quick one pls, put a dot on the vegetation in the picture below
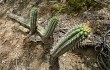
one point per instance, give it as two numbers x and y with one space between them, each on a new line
74 6
33 19
72 38
51 27
79 4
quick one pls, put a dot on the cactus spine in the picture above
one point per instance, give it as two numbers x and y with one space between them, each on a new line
70 40
51 27
33 19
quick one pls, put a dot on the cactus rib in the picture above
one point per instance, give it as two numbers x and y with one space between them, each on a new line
66 45
33 19
67 37
51 26
71 39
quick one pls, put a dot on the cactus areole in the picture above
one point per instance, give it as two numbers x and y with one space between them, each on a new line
71 39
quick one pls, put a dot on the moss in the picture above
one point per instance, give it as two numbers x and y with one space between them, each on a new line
58 8
77 5
74 6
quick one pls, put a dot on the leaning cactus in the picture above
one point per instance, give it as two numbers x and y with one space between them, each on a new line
33 19
51 27
72 38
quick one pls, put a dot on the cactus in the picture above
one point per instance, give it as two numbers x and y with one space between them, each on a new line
33 19
72 38
51 27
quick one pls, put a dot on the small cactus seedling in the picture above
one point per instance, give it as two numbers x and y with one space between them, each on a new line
51 27
71 39
33 19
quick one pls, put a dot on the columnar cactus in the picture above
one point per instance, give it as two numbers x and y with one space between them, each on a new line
51 27
72 38
33 19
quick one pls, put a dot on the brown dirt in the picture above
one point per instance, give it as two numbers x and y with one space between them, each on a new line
18 52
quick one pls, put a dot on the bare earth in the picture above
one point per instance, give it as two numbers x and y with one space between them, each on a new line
17 52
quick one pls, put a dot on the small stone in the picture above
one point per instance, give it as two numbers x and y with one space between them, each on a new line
95 65
35 38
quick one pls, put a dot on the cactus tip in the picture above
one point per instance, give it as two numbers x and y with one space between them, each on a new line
55 17
34 9
86 27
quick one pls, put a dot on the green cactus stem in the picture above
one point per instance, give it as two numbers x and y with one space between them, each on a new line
33 19
51 27
71 40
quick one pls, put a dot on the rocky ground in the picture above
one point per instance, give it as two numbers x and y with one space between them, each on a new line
18 52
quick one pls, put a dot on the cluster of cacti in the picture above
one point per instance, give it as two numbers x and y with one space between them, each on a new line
43 32
72 38
33 19
31 23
